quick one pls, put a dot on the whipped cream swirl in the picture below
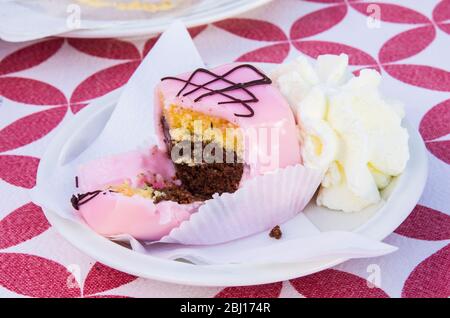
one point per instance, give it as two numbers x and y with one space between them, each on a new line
346 128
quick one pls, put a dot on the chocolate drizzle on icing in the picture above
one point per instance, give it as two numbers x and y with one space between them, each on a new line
261 80
80 199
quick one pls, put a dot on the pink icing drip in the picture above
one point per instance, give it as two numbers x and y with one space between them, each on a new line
114 170
112 214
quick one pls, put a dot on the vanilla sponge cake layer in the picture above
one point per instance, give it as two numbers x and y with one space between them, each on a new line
202 178
189 125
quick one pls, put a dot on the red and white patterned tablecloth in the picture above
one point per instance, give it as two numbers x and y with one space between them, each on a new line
43 84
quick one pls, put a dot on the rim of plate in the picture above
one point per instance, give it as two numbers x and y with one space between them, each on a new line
383 223
146 27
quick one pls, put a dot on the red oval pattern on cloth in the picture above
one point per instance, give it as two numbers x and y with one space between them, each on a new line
197 30
258 291
430 279
316 48
392 12
102 278
149 45
75 108
441 12
104 81
106 48
19 170
434 125
29 56
275 53
35 276
420 75
317 22
332 283
253 29
445 27
30 91
440 149
407 44
426 224
441 15
22 224
436 122
30 128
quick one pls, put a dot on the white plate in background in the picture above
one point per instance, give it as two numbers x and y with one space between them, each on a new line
48 18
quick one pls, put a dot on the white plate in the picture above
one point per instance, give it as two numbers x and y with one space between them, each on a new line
52 19
374 223
207 11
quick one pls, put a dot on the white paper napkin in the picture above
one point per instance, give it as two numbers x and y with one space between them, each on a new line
301 242
131 124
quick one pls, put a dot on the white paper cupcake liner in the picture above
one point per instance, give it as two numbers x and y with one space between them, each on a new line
262 203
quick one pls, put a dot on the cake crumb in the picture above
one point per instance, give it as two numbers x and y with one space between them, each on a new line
276 232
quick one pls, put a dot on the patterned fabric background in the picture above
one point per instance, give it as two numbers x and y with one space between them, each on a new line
43 84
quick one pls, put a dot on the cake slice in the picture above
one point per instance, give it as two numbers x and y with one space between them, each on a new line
216 129
221 125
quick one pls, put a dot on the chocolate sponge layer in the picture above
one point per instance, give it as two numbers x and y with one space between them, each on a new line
204 179
178 194
207 179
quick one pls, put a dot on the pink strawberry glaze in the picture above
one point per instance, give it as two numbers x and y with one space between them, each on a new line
112 214
271 111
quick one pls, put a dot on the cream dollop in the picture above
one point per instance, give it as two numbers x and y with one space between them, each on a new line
346 128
